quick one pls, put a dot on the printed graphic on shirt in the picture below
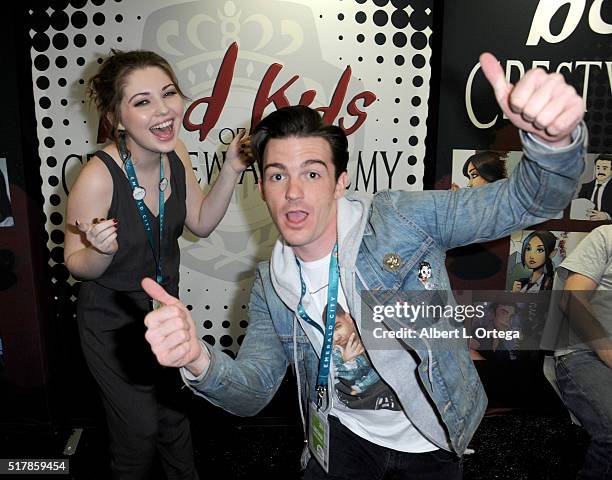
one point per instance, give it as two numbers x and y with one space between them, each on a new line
356 383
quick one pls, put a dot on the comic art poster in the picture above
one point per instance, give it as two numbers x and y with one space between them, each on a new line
534 257
593 199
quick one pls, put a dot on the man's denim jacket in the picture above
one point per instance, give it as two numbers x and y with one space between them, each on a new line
438 388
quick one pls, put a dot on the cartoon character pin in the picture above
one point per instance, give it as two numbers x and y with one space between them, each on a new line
425 275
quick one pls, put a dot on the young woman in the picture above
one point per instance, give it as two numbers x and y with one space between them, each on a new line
125 214
538 250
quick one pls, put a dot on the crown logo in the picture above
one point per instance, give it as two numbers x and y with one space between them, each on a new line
260 60
194 37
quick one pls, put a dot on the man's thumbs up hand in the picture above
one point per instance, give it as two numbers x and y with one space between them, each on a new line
171 332
540 103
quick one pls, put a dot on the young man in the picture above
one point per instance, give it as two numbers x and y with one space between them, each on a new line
432 400
584 371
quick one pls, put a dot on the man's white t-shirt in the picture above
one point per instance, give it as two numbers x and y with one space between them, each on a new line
361 400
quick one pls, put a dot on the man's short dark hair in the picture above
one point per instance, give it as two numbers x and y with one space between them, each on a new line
299 121
603 156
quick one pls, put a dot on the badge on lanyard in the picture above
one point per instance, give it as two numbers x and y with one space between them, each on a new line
139 193
318 425
163 184
318 436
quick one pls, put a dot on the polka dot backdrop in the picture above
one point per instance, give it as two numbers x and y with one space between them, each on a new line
386 44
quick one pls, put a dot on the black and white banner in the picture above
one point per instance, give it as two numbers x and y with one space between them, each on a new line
364 63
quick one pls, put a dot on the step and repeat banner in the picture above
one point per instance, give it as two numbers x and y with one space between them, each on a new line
365 62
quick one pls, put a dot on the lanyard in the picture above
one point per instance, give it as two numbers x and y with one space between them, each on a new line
142 210
330 322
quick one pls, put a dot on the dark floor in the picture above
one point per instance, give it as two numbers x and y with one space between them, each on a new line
536 443
515 445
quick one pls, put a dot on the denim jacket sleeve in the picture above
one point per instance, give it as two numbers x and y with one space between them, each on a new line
245 385
541 186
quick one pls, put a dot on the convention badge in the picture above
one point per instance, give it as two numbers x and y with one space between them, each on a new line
139 193
163 184
318 436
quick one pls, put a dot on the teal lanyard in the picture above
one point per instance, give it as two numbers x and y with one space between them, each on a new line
330 323
142 210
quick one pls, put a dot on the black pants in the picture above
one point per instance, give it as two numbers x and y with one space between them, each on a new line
354 458
143 403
